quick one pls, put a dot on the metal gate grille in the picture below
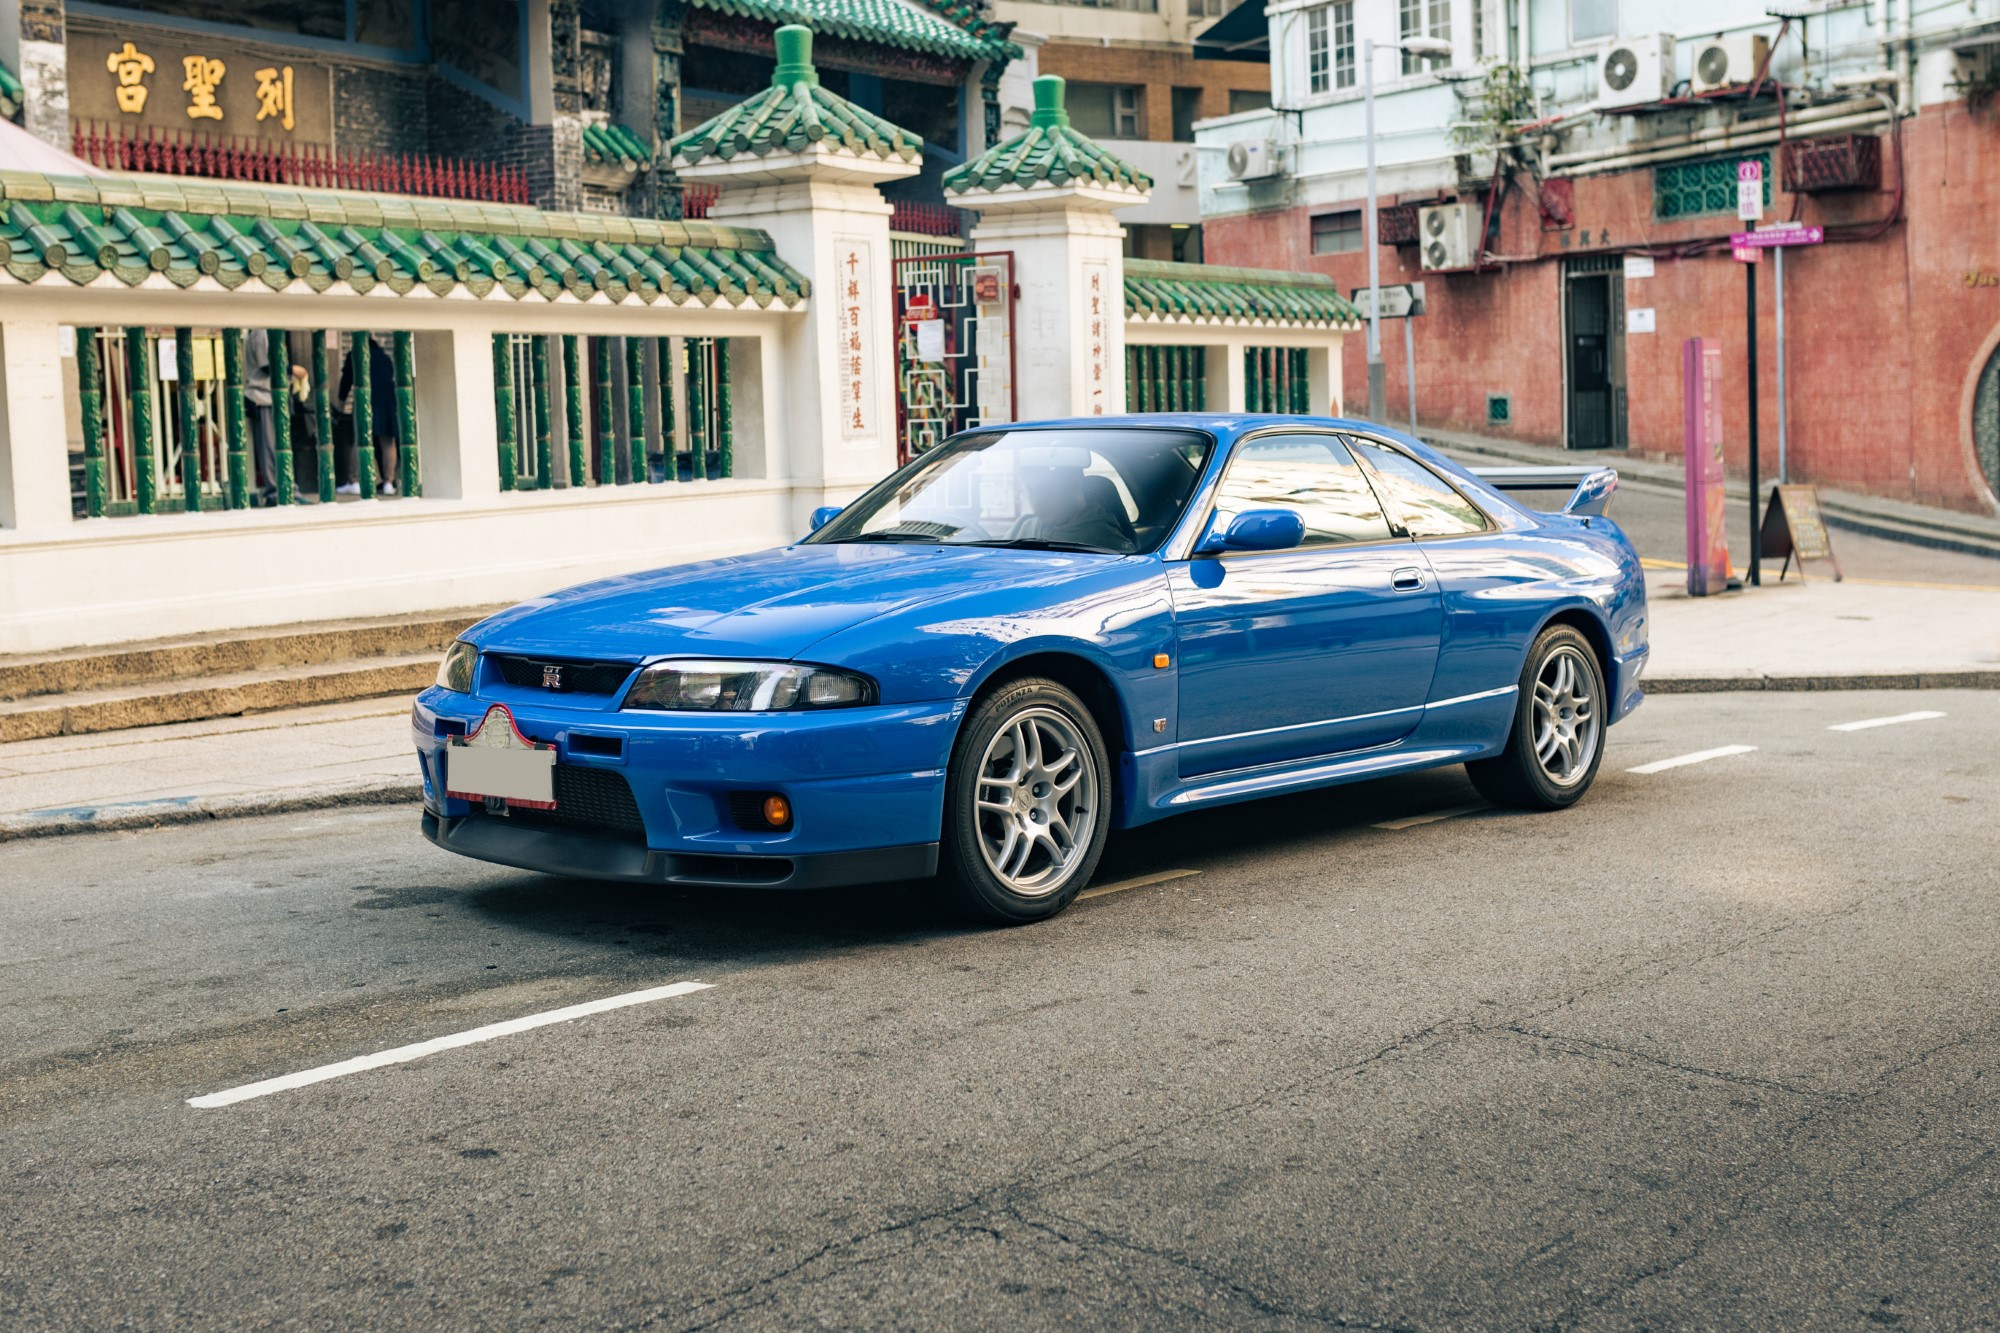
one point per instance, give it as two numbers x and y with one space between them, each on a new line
954 346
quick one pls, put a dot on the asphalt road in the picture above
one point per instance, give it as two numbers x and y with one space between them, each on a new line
1716 1049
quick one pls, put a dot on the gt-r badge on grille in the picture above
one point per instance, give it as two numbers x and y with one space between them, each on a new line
551 676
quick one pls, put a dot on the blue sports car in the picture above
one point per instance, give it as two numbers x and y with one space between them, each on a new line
1035 634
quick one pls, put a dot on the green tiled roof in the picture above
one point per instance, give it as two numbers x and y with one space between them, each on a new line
1048 150
1159 289
611 144
11 92
134 227
962 36
792 114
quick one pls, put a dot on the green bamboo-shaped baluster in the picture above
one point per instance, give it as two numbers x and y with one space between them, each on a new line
139 383
359 348
607 408
697 369
1268 369
544 454
1249 380
190 422
1281 379
1201 379
235 419
1167 403
573 396
725 426
90 400
1179 354
278 358
322 392
412 482
505 426
1145 379
1131 378
672 470
635 406
1303 371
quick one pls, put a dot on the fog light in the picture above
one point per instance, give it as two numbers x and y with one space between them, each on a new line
777 811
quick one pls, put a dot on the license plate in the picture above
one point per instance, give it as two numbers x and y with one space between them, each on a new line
497 761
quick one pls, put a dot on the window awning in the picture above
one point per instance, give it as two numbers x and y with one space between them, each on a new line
1241 34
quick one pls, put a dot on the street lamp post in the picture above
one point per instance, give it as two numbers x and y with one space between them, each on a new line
1378 392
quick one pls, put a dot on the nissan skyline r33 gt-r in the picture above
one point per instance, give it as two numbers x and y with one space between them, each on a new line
1035 634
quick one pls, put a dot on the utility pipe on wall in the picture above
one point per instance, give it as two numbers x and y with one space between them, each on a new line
1816 115
1758 139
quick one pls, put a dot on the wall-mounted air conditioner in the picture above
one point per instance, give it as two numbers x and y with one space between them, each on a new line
1724 62
1636 70
1255 159
1446 236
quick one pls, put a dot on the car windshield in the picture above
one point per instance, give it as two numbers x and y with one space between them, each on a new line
1118 491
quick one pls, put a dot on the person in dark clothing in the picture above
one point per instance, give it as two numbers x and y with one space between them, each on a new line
1067 509
381 427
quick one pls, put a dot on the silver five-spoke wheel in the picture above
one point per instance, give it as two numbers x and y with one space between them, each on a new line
1037 801
1566 716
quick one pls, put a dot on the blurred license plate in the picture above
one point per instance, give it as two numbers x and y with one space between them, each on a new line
497 761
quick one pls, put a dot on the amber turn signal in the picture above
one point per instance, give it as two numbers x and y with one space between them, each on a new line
777 811
1161 660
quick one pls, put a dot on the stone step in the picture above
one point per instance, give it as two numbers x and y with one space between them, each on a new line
196 659
229 694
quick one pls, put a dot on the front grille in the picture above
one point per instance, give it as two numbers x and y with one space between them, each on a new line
533 673
588 798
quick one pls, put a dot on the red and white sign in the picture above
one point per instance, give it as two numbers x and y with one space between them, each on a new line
1783 233
1750 190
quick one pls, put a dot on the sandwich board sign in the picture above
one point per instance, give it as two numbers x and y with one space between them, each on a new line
1795 529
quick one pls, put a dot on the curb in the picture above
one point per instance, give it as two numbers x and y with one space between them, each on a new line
198 809
1907 680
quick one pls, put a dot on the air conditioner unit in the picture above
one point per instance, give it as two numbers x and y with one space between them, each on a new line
1724 62
1445 236
1636 70
1255 159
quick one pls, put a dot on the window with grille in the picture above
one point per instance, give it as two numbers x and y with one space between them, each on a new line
1336 233
1319 51
1343 44
1692 189
1422 18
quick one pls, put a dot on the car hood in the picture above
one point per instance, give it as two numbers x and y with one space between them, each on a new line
773 604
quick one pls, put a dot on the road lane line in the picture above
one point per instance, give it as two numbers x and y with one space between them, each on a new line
1698 757
1139 882
1449 812
417 1051
1884 721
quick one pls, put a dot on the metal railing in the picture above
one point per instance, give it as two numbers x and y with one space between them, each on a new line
1166 378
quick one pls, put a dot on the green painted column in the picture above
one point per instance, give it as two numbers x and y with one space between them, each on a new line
410 455
90 401
725 425
605 390
573 396
505 426
190 423
278 359
665 349
235 419
539 404
697 369
322 397
139 384
364 414
635 406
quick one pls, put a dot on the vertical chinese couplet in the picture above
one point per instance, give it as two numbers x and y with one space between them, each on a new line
1096 282
852 258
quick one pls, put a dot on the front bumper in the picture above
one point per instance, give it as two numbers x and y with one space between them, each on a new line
863 783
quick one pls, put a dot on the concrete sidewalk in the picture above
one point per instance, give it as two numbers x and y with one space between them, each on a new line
1815 636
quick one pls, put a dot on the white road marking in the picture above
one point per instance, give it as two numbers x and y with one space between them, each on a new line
1139 882
1883 721
417 1051
1449 812
1698 757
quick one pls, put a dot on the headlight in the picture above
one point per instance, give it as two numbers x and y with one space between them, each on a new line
455 672
747 687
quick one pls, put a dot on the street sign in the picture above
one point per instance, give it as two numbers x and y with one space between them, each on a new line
1401 301
1750 190
1746 254
1777 234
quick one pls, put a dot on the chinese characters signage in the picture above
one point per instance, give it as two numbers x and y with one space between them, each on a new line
189 83
1097 333
855 277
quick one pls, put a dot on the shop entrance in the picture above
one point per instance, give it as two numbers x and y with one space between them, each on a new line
1594 352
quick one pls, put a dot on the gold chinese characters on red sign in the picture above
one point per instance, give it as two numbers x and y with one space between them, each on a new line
188 83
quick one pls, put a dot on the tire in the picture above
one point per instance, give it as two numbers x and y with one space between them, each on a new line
1557 741
1023 830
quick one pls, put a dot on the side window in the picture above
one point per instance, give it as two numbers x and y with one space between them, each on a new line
1422 501
1313 476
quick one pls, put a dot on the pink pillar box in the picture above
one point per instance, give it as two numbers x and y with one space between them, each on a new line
1701 397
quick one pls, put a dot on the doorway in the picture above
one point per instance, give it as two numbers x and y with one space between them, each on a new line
1594 352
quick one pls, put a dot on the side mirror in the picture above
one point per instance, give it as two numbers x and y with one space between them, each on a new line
1256 530
824 515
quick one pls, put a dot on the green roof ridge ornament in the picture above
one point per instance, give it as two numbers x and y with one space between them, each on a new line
1049 113
795 57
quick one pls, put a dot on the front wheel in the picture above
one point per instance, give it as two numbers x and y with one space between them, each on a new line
1026 803
1558 737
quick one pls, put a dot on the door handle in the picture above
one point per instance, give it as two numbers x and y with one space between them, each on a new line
1407 580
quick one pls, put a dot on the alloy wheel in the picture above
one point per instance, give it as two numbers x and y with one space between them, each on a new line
1566 716
1036 801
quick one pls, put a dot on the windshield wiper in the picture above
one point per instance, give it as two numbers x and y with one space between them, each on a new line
885 537
1042 544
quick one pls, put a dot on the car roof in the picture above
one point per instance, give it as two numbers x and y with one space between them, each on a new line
1225 426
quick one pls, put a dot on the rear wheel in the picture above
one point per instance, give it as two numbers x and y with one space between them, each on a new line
1558 737
1026 803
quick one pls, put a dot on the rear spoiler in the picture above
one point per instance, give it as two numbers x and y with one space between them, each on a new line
1590 488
